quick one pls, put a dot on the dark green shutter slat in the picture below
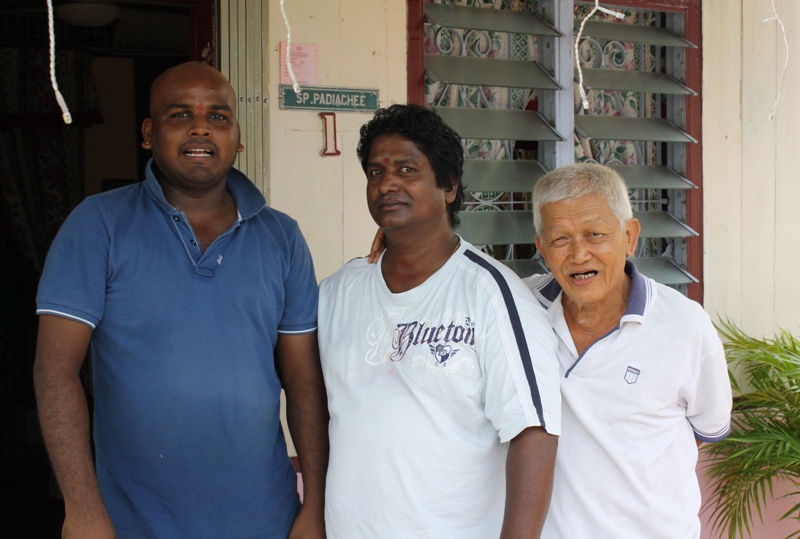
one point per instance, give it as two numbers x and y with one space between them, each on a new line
660 224
496 227
498 124
519 176
493 20
652 177
634 33
632 81
663 270
630 128
514 227
481 175
525 268
489 72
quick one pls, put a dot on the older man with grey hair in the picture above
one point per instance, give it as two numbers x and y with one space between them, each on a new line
643 373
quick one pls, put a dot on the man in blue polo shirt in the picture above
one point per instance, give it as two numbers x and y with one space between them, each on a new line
199 303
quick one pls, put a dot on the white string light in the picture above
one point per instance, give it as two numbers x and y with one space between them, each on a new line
60 98
776 17
295 86
597 7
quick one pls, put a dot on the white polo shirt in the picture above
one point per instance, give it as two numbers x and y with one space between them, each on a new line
632 405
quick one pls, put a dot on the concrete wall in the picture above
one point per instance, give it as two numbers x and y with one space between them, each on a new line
750 172
361 45
750 165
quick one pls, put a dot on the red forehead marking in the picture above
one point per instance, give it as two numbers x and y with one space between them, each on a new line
386 160
200 107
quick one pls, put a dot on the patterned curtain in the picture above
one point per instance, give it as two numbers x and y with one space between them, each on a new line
41 158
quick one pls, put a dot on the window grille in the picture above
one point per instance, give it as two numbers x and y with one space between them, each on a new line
491 71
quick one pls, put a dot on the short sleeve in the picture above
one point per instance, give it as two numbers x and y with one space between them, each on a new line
519 359
709 406
300 285
73 283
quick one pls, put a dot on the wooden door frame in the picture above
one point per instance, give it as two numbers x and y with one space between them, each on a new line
203 33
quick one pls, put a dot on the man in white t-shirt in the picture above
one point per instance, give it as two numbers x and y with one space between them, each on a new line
439 363
643 374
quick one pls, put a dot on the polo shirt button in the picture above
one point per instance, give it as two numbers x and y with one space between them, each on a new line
176 218
194 242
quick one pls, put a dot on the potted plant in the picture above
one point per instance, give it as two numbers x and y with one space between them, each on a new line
764 444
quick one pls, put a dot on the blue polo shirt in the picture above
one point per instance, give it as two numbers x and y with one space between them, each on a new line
186 421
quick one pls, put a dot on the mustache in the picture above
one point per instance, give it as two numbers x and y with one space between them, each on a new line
198 141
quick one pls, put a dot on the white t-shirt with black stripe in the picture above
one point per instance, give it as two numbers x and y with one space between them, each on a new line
425 388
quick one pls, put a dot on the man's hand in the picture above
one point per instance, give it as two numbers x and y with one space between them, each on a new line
307 526
95 527
378 246
64 418
529 483
297 361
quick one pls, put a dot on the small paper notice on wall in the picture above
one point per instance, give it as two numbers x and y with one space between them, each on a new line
304 64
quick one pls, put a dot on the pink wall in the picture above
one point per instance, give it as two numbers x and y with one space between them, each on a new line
772 527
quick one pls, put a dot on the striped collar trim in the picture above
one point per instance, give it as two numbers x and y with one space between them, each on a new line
641 295
249 200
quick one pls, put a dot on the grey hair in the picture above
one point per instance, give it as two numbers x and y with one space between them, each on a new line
581 179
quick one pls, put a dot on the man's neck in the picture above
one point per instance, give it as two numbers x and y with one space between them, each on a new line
411 258
588 323
193 199
211 212
197 203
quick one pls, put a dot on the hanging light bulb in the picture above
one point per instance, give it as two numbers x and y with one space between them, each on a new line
88 13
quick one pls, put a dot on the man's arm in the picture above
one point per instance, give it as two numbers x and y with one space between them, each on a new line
64 418
529 482
297 361
378 246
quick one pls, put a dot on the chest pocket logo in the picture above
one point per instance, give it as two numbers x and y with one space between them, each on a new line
632 375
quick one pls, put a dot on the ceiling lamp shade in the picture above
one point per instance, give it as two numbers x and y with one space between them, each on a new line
88 13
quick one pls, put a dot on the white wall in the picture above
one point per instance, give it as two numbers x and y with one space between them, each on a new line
361 45
751 189
751 192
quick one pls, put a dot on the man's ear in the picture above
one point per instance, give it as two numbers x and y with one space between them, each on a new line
450 192
240 148
538 241
147 132
632 230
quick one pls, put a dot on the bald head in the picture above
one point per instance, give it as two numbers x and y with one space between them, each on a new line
190 73
192 129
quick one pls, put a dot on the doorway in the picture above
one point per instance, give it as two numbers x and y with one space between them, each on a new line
47 168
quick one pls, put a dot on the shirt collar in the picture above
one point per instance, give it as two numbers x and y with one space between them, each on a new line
249 200
637 299
549 291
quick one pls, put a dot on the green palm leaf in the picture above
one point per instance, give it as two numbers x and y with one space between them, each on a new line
764 444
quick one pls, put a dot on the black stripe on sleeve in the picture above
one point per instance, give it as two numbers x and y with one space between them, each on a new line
519 334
